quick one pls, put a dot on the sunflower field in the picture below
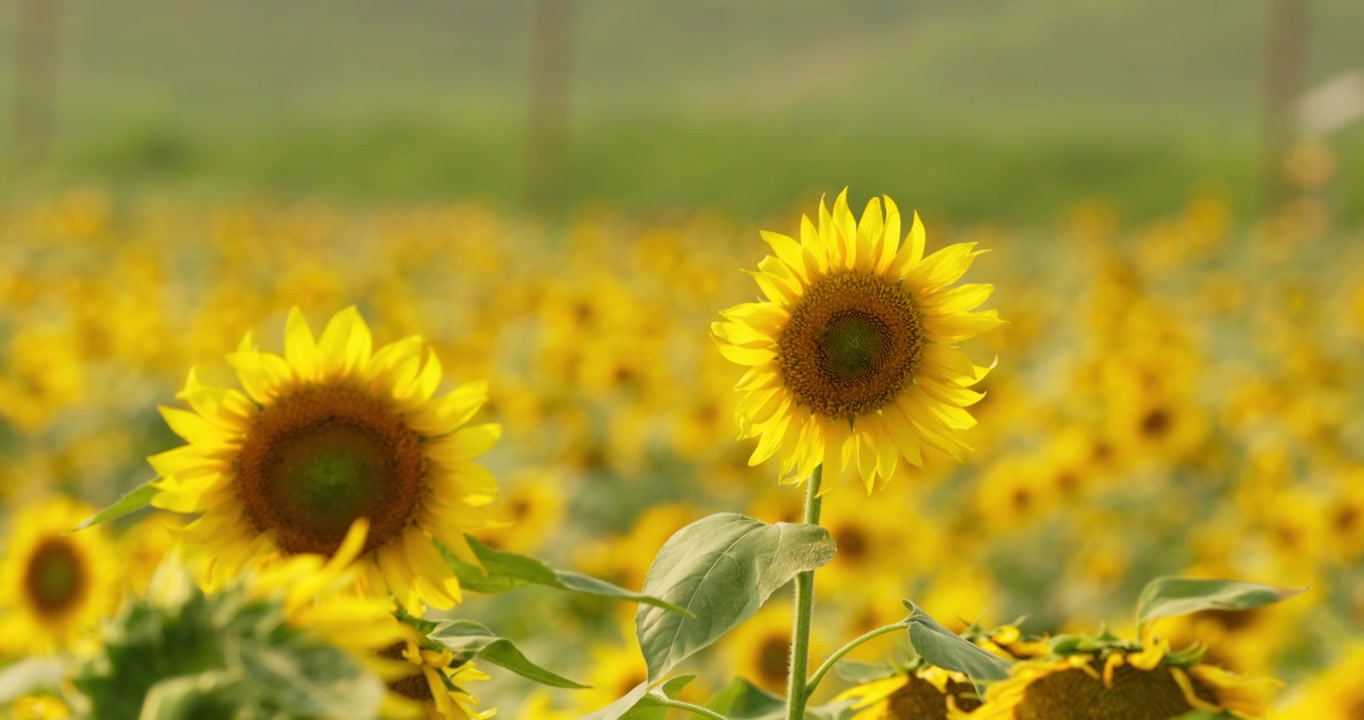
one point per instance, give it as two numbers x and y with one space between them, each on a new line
988 403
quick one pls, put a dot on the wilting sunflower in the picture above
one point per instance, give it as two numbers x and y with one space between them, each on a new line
55 587
1118 684
922 693
328 433
851 357
429 688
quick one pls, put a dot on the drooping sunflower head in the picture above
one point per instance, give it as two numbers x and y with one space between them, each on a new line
330 432
923 692
429 682
55 586
850 355
1122 681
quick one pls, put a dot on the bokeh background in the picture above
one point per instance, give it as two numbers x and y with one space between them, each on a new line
560 194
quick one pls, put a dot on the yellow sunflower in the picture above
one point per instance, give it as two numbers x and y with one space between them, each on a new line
851 358
1335 694
55 587
38 707
429 688
325 434
923 693
1120 685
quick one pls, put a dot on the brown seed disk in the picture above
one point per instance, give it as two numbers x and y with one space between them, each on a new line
852 343
56 577
1135 695
414 686
319 458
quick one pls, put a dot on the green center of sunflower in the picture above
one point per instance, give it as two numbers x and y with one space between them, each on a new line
851 345
316 460
1073 694
55 577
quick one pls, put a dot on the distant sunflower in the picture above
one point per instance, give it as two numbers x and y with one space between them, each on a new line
430 688
1121 685
328 433
55 587
851 358
923 693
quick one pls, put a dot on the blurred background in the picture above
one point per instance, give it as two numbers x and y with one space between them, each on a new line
559 195
981 111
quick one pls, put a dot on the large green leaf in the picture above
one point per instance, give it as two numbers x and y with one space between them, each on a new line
948 650
467 636
1168 596
720 569
132 501
503 571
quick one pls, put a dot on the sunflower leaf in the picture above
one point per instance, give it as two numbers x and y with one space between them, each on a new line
949 651
1169 595
859 673
132 501
467 636
503 571
720 569
620 708
742 700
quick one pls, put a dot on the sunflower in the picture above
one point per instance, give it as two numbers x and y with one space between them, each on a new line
328 433
922 693
1121 683
55 587
850 358
428 689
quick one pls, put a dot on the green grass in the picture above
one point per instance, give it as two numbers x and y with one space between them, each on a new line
981 111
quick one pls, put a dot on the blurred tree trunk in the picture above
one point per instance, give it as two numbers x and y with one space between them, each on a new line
548 103
1285 67
35 66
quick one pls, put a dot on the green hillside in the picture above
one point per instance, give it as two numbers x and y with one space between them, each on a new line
982 110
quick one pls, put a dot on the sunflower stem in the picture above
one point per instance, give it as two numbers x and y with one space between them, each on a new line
828 665
796 691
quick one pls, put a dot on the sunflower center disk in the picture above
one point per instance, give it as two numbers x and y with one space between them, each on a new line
851 345
1073 694
53 579
316 460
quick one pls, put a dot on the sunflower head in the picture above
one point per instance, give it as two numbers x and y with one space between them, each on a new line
55 586
918 692
851 358
1120 680
425 681
330 432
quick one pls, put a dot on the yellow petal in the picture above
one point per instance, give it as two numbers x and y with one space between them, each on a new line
300 349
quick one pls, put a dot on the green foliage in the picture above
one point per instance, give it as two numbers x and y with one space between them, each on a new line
944 648
225 656
467 636
859 673
28 676
131 501
720 569
1168 596
741 700
503 571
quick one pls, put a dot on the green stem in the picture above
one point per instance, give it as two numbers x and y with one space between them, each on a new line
796 692
693 709
852 645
